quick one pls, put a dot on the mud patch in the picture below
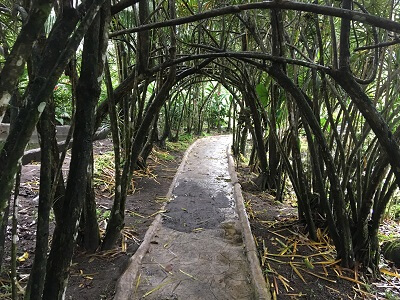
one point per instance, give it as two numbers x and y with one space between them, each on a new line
195 207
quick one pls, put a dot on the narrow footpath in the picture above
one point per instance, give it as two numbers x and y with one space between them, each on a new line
195 251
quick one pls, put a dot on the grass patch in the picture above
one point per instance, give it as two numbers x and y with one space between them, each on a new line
163 155
187 137
185 140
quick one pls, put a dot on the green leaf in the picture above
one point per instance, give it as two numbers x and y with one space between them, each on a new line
59 120
308 263
262 93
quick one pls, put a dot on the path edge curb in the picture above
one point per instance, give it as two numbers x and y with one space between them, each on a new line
261 284
125 283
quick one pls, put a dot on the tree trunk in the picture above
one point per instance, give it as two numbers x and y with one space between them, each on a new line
143 38
167 129
116 221
36 279
345 248
229 127
304 210
117 154
15 63
89 234
373 117
60 47
3 232
243 141
148 146
262 180
3 225
178 127
273 157
88 92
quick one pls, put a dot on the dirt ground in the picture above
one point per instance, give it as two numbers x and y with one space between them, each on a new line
93 276
298 268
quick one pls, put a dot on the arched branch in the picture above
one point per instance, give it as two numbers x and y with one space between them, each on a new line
289 5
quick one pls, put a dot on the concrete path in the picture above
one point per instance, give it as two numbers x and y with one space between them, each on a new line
195 250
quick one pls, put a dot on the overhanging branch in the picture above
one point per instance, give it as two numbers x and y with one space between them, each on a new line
238 55
289 5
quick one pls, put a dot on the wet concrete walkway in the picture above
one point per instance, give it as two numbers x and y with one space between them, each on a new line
196 251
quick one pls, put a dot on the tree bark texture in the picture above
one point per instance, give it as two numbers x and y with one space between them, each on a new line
88 91
38 272
250 100
89 234
15 63
59 49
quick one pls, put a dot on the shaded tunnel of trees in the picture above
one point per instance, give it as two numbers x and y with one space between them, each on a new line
315 86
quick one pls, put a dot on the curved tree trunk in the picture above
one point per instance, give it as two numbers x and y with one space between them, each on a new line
15 63
262 180
345 247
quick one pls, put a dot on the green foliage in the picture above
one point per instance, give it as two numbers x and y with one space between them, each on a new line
103 161
281 110
394 211
102 215
218 110
176 146
163 155
263 94
49 23
63 102
5 287
182 144
9 22
389 295
187 137
386 237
